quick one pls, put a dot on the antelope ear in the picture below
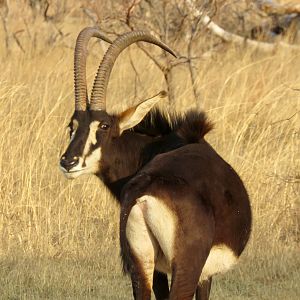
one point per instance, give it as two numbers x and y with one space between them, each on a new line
134 115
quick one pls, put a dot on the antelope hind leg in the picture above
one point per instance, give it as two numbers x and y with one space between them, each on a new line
203 290
160 286
143 248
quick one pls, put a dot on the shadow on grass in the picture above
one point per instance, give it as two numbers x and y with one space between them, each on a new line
39 278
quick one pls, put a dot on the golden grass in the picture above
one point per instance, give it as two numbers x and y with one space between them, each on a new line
254 102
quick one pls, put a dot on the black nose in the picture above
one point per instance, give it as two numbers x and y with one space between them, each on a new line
69 162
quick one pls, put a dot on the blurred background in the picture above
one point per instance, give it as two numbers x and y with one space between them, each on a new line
238 60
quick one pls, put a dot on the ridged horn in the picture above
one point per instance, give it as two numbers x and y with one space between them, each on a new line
98 95
80 55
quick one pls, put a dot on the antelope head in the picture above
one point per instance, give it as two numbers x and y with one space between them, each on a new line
92 129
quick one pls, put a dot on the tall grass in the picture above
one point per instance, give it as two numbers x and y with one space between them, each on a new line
45 219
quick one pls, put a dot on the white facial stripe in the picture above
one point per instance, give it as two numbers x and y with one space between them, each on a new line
72 135
93 131
92 139
75 125
92 161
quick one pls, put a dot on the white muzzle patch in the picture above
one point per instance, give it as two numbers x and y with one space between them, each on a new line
88 163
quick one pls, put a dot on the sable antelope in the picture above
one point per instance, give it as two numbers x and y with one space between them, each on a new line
184 210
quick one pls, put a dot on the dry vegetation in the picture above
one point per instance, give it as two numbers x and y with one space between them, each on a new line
59 238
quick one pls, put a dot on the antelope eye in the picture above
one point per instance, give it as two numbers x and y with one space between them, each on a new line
104 126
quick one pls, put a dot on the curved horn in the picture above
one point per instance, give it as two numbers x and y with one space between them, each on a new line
104 70
80 55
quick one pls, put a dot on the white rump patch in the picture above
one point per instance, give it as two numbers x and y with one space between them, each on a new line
150 231
141 242
162 223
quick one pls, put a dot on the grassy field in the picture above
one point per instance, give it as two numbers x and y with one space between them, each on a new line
59 238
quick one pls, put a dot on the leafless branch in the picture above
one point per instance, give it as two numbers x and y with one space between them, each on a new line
15 36
92 16
137 76
4 15
194 29
272 8
231 37
292 116
156 61
46 11
130 9
129 24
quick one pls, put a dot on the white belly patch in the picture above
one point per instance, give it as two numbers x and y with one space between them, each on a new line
220 259
151 230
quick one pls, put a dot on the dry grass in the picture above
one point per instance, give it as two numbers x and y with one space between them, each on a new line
59 238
